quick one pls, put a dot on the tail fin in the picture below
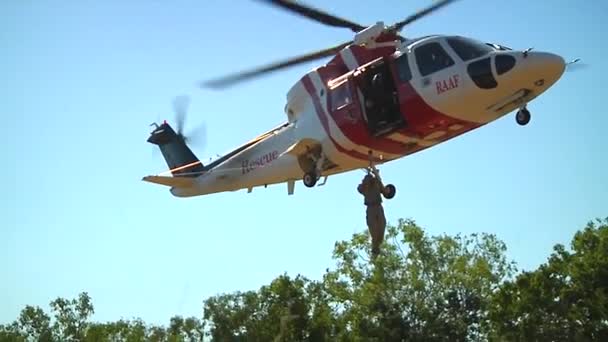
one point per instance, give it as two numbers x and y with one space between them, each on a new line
178 156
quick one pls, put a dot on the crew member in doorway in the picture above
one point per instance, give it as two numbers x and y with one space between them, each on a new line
371 188
377 102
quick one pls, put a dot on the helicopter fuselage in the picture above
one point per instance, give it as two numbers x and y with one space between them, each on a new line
382 102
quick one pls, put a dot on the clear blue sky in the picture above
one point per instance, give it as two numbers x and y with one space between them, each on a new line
82 80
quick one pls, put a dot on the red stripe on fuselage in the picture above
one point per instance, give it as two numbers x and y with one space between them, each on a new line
358 132
310 88
423 119
420 117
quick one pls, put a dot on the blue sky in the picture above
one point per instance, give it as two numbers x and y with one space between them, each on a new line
82 80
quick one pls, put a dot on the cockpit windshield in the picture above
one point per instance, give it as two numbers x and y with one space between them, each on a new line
467 48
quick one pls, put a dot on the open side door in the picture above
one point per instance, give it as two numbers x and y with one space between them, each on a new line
379 97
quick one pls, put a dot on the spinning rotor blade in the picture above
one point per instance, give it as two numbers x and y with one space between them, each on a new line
315 14
575 65
424 12
195 136
242 76
322 17
198 136
180 107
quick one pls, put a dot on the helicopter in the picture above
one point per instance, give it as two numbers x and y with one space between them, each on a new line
380 97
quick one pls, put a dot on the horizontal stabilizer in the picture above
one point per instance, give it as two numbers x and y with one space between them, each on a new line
178 182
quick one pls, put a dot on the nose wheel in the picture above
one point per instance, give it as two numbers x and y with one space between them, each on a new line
310 179
522 117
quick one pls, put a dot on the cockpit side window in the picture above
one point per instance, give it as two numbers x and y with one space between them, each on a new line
468 49
340 96
431 57
403 68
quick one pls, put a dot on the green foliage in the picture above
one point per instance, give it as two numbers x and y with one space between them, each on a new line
565 299
421 288
70 322
279 311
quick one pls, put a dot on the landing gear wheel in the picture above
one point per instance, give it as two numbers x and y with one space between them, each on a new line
310 179
389 191
522 117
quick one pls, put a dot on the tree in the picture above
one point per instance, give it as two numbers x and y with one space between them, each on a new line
421 288
71 317
277 312
35 324
565 299
12 333
70 322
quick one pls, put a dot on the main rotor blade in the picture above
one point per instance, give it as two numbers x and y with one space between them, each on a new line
242 76
180 107
424 12
315 14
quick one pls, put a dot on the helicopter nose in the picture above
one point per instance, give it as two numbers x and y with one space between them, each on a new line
545 68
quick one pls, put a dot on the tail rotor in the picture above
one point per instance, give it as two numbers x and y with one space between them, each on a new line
173 144
196 136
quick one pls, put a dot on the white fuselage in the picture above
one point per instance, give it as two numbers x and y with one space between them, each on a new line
449 94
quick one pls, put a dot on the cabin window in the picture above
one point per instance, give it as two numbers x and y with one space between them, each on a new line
468 49
504 63
481 73
403 68
431 58
340 96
